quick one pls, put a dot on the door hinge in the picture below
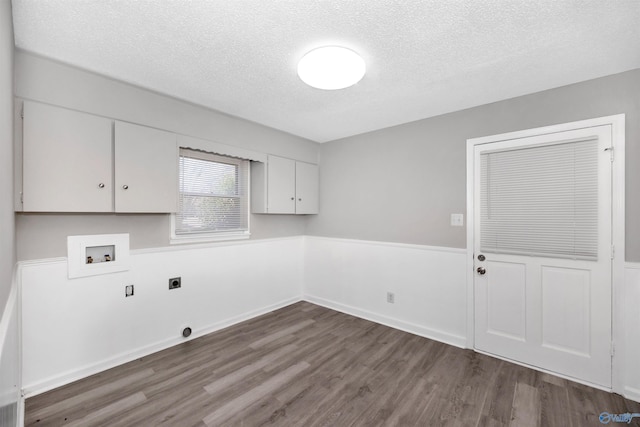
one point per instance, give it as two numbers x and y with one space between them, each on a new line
613 348
613 251
610 150
22 198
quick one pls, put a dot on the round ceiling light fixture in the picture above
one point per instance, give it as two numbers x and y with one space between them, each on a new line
331 67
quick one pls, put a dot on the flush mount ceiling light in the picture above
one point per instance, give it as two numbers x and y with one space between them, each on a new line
331 67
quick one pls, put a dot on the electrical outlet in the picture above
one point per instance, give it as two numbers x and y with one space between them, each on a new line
175 283
391 297
128 291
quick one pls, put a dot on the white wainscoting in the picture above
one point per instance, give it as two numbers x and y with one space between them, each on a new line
10 386
73 328
354 276
631 346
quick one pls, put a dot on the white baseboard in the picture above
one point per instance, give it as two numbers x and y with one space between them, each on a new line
632 393
34 389
434 334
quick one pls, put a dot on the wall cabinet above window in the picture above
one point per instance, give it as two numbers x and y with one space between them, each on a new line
146 169
78 162
284 186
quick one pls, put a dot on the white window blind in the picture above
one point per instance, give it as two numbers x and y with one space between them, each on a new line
213 194
541 200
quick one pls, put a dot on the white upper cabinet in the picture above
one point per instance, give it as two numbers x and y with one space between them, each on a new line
68 164
146 169
281 185
306 188
67 161
284 186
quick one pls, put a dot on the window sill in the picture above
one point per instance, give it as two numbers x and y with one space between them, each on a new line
185 240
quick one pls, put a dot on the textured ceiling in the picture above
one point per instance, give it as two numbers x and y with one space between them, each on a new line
424 57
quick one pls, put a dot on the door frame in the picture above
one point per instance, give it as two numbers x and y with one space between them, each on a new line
617 123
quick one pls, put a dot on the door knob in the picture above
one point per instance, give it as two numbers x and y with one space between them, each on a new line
481 270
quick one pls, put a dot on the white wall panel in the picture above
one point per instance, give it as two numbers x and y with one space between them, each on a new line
354 276
10 387
631 347
76 327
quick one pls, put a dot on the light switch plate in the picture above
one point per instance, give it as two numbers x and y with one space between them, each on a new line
457 220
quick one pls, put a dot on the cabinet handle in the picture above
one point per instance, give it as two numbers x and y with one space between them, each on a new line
101 185
126 187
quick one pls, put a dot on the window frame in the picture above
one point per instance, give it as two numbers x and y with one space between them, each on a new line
215 236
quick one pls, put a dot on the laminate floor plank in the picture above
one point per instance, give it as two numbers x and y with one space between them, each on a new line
526 406
389 387
102 416
406 412
91 395
306 365
555 406
237 405
238 375
279 334
327 410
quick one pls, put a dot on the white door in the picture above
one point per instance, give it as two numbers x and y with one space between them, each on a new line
542 251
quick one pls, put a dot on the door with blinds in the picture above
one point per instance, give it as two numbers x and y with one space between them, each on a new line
542 251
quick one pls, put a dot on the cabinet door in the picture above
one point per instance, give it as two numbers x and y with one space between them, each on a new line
306 188
67 161
146 169
281 185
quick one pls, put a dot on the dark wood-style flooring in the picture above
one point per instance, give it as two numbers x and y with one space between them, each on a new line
306 365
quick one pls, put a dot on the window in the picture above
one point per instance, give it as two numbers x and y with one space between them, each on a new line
213 201
541 201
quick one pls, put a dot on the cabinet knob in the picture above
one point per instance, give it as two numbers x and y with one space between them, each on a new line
125 187
293 198
300 199
101 185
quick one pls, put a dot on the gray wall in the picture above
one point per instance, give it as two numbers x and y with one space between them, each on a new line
45 235
398 184
7 226
40 79
401 184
